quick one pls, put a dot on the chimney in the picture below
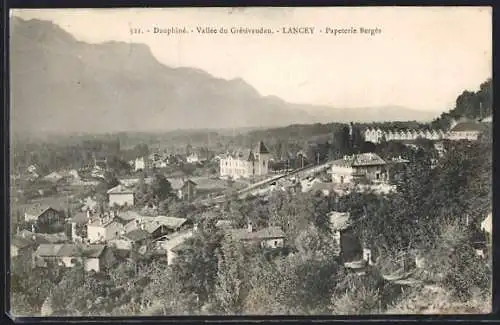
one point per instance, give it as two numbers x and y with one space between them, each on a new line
88 214
33 230
143 226
33 238
250 227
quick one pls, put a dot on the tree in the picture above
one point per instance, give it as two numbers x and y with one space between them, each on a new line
196 267
230 289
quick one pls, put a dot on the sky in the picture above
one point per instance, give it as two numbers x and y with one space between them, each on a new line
420 58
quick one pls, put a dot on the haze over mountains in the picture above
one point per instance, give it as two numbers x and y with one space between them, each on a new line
59 84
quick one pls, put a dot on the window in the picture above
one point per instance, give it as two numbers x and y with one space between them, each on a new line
264 163
275 243
378 176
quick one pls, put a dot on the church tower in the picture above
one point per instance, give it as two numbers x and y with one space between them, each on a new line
262 157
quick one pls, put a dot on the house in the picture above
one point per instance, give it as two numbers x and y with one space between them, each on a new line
184 189
158 226
94 257
270 237
103 229
176 245
246 164
39 212
162 225
488 119
41 238
487 225
121 195
192 158
136 237
124 217
465 130
140 164
373 135
45 218
365 166
22 246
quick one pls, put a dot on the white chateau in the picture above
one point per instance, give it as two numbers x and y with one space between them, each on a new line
246 164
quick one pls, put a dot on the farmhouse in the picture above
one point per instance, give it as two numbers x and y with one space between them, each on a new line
367 166
103 229
184 189
46 218
94 257
121 195
270 237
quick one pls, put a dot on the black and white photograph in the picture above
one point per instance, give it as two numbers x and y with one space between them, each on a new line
269 161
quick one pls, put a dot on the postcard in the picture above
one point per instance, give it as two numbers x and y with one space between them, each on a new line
250 161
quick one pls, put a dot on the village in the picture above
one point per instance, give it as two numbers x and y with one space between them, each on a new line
99 235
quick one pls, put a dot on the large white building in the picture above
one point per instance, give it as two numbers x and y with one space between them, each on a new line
465 130
246 164
376 135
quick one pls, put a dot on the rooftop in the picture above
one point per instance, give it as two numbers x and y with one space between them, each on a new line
21 242
121 189
170 222
178 183
359 160
37 209
70 250
261 148
137 235
467 126
265 233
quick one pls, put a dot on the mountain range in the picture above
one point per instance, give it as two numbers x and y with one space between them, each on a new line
60 84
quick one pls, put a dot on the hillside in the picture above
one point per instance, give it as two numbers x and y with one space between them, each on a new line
61 84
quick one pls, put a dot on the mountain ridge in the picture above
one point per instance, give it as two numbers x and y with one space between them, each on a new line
61 84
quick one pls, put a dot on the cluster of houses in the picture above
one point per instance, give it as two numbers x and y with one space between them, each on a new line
462 129
163 160
105 235
124 194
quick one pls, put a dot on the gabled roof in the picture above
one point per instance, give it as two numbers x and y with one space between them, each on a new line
70 250
265 233
178 183
467 126
48 249
364 159
127 216
137 235
170 222
37 209
261 148
21 242
487 223
121 189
